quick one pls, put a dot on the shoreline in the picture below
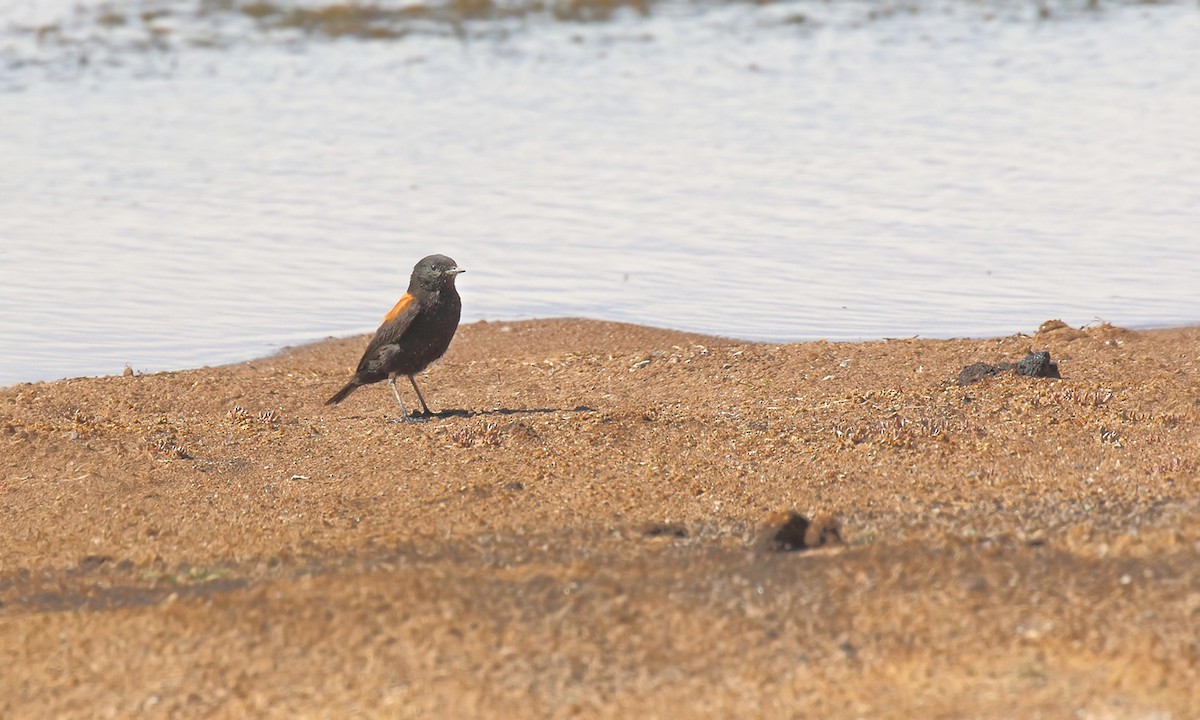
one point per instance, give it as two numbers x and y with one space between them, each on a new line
588 529
286 348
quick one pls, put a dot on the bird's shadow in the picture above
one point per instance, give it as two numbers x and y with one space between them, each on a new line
451 413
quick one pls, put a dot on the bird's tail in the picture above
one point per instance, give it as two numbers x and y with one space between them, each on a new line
343 393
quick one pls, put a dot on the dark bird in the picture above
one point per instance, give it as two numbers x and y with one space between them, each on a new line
416 332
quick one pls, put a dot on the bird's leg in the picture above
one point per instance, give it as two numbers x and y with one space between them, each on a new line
403 410
413 379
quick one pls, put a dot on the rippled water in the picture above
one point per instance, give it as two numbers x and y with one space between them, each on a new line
777 172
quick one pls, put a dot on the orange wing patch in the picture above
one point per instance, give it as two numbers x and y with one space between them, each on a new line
399 308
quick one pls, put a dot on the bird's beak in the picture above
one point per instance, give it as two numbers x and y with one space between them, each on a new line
455 270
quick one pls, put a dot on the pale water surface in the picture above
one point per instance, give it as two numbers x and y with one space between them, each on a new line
723 168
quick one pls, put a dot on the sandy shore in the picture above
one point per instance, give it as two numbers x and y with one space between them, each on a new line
586 530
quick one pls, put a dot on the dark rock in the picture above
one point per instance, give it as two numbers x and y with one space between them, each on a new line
799 533
975 372
1035 364
1038 364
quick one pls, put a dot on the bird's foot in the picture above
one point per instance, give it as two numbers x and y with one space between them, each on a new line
412 419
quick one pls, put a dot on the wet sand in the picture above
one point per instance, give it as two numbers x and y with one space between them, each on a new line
586 530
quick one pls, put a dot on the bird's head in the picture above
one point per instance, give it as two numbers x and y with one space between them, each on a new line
435 272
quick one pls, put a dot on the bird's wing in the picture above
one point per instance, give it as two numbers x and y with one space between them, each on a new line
394 325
